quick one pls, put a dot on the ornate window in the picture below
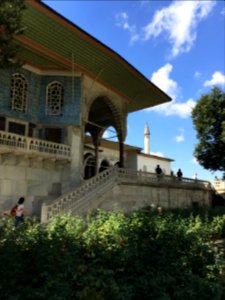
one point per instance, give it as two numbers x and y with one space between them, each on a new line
18 97
54 99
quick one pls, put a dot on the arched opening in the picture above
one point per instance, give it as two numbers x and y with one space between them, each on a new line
103 114
104 165
110 134
89 166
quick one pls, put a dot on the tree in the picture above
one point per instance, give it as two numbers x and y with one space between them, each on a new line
209 120
10 24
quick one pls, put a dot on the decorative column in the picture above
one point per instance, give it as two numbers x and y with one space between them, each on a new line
73 137
122 130
121 143
95 139
96 158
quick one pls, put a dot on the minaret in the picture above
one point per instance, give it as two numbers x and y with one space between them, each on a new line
146 139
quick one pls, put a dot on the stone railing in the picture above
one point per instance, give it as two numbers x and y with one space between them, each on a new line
79 200
15 142
126 175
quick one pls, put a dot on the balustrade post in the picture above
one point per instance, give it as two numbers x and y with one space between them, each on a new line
44 213
28 142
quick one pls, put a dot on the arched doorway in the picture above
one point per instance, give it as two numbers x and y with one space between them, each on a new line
89 166
103 113
104 165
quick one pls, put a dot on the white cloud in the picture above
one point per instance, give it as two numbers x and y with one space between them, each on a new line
223 12
180 137
197 74
122 21
179 21
217 79
194 160
182 110
162 79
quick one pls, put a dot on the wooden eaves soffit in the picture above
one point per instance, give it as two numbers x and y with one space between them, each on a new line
50 40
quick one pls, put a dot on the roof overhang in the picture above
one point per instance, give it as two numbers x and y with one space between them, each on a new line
155 156
50 42
112 145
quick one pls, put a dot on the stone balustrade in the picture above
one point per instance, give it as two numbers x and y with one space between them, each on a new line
78 200
127 175
15 142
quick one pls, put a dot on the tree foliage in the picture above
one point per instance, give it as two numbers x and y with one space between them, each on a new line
114 256
10 24
209 120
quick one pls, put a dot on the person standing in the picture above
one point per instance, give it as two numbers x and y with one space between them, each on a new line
19 212
179 174
158 171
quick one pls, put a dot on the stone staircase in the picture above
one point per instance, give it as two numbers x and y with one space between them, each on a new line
85 198
78 201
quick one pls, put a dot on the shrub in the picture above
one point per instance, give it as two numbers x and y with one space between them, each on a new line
111 255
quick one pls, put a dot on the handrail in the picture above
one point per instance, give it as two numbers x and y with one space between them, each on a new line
80 198
147 177
33 145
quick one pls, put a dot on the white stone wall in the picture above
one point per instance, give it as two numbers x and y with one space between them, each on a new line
132 161
112 156
149 163
128 197
219 186
42 181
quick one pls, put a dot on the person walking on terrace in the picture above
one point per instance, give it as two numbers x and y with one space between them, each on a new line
158 171
179 174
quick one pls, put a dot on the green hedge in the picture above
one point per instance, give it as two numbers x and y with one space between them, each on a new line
110 255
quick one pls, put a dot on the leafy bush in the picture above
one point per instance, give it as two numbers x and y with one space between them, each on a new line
111 255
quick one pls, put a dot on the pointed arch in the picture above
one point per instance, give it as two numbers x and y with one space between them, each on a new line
54 99
89 165
18 97
104 113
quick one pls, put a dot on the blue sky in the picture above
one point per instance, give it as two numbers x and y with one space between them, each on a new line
178 45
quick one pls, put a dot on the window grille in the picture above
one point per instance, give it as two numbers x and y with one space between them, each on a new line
18 97
54 99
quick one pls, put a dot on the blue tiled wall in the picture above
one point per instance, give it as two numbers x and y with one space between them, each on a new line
37 98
